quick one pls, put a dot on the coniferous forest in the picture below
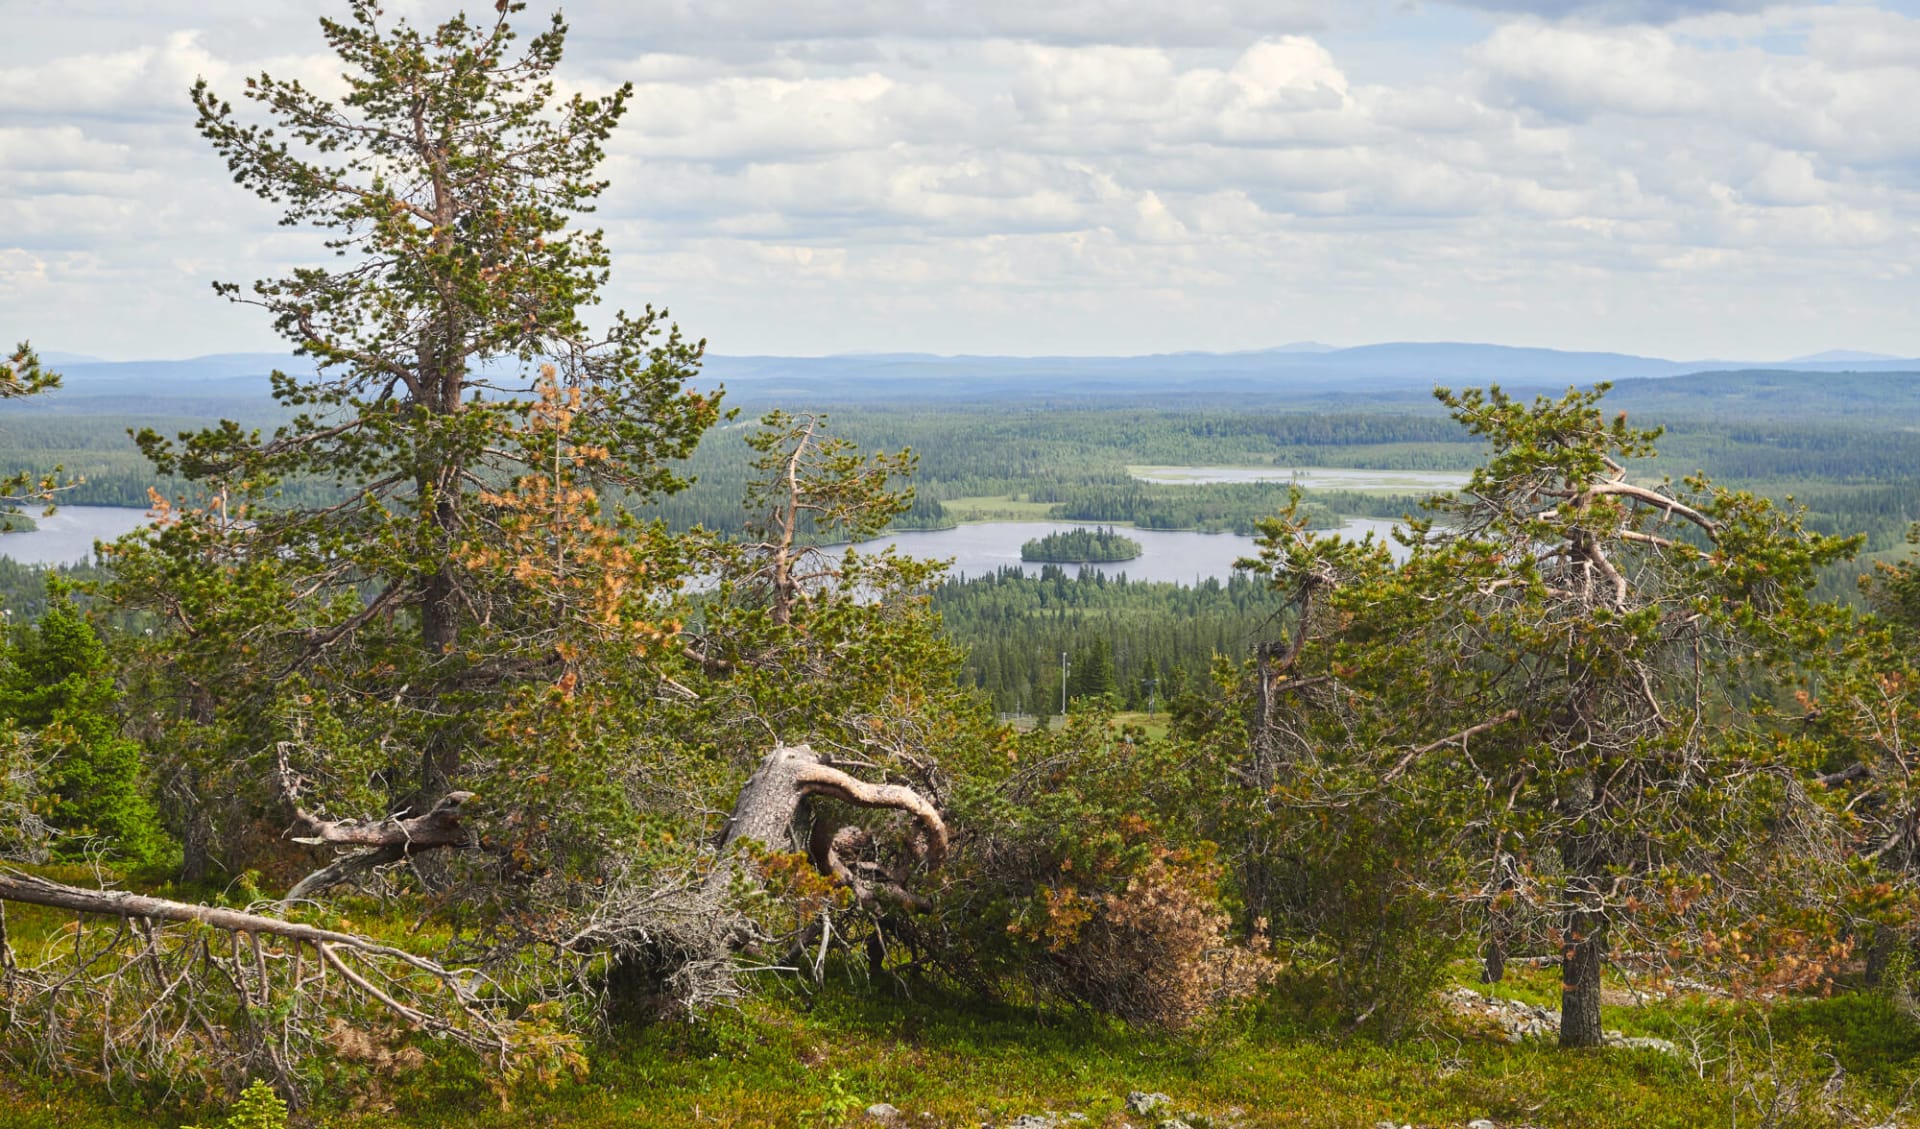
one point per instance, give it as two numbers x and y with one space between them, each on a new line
532 748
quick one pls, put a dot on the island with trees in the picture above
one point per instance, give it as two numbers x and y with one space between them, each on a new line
1080 546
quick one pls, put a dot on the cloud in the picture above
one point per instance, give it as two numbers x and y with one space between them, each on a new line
1617 11
1090 176
728 26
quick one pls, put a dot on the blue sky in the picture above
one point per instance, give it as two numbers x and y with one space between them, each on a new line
1684 178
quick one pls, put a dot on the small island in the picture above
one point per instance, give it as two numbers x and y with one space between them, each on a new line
1080 546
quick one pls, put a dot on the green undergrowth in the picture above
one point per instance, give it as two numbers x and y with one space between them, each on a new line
801 1057
795 1060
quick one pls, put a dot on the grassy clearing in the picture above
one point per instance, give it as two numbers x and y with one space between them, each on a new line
1003 508
1352 479
1155 726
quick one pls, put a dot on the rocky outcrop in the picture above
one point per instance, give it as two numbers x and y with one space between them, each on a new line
1517 1021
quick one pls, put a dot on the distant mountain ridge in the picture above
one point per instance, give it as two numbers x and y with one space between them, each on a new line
1844 356
1299 368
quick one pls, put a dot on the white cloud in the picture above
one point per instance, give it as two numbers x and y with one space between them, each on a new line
1094 175
1618 11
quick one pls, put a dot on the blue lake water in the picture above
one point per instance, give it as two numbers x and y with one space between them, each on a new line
1165 555
67 537
977 550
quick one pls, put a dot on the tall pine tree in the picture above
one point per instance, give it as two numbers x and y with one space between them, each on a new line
480 437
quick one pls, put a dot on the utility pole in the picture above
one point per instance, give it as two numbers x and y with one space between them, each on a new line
1063 686
1153 694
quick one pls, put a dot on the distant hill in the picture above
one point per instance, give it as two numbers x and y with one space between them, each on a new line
1366 372
1891 398
1299 347
1286 373
1843 356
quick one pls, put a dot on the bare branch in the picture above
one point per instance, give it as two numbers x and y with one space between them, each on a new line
1459 738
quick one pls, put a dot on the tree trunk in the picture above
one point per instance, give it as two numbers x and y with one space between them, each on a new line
1880 952
1583 941
1583 953
1263 767
196 846
388 841
460 1014
439 618
439 632
678 950
1493 967
769 803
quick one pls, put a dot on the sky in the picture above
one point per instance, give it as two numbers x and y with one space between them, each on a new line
1679 178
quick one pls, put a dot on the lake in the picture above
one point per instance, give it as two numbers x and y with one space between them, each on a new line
1310 477
977 550
68 536
1165 555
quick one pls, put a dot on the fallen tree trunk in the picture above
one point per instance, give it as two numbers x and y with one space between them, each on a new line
332 948
770 803
389 840
142 988
679 944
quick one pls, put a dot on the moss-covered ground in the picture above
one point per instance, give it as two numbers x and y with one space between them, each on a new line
793 1059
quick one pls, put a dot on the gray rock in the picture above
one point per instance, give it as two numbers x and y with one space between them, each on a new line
1643 1042
1516 1020
1034 1121
1144 1103
1173 1123
881 1111
1481 1123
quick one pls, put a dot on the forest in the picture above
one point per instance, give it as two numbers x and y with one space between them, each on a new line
498 728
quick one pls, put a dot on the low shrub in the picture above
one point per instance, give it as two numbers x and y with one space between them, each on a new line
1079 879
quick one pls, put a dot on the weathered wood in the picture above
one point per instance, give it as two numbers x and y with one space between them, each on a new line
460 1015
790 774
18 887
439 827
770 802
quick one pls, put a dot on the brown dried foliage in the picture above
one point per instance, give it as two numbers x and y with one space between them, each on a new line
1157 953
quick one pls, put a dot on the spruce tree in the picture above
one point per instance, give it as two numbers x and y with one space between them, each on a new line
58 685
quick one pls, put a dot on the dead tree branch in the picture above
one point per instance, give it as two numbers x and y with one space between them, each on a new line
389 840
1459 738
158 983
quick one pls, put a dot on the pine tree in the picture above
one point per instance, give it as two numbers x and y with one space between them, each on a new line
1091 674
459 405
1570 676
